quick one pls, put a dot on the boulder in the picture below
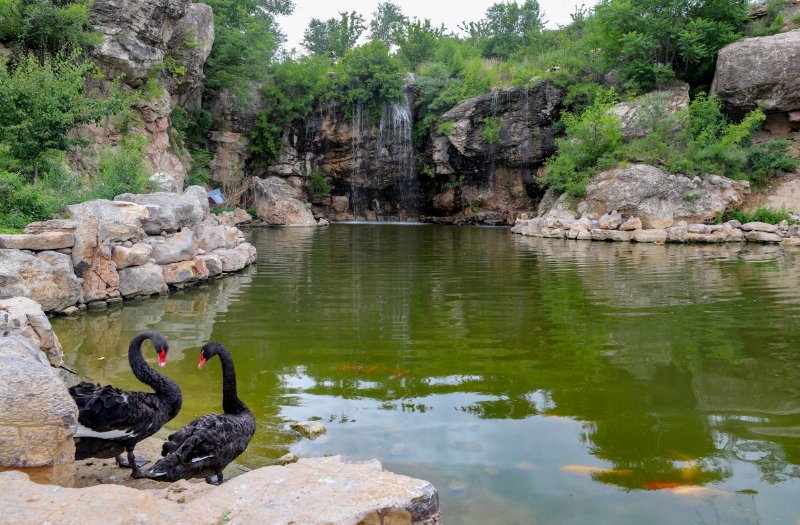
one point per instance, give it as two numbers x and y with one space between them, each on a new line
633 223
211 234
174 248
94 265
309 429
37 242
762 237
235 259
610 221
760 72
136 255
213 264
54 225
47 278
25 317
610 235
759 227
167 212
555 207
275 206
142 280
37 416
314 490
185 271
653 235
659 198
108 220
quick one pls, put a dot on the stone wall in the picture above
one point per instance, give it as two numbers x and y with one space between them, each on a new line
133 246
37 415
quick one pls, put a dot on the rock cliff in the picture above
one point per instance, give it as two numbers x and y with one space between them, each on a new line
497 141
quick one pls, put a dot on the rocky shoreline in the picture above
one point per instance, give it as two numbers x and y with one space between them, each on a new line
135 246
611 227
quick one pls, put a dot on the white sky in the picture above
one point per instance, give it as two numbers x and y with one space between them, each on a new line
448 12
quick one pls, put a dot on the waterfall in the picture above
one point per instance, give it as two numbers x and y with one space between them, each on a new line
407 186
357 128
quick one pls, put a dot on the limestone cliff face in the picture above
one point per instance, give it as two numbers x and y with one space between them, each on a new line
168 40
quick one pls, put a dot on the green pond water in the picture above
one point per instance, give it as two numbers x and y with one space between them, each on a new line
533 381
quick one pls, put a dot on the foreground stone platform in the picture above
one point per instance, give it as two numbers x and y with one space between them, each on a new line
312 491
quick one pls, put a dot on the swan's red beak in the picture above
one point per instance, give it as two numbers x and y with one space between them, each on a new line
202 361
162 357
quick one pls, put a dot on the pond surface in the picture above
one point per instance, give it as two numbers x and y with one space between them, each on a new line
533 381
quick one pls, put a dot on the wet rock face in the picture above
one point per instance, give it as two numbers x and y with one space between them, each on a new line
497 142
760 72
316 490
524 137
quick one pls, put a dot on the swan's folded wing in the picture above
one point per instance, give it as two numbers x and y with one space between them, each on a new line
107 412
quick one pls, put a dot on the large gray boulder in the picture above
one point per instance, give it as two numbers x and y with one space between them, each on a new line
314 490
212 234
108 220
174 248
25 317
37 415
760 72
659 198
144 280
275 206
167 212
47 278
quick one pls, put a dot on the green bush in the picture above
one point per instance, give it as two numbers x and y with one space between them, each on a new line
20 204
592 141
760 214
491 129
200 173
317 184
446 129
121 170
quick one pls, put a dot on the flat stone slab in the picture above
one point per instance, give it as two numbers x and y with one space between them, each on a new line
37 242
316 490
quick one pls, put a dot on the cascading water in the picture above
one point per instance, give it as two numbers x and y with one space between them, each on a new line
392 165
358 128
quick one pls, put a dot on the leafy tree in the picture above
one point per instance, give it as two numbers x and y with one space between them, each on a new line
652 41
245 42
417 42
592 138
47 27
370 77
293 90
387 21
41 102
505 27
334 37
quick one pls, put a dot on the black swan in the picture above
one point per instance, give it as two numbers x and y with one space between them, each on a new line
204 447
112 421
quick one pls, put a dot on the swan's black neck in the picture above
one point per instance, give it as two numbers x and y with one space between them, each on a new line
231 404
162 385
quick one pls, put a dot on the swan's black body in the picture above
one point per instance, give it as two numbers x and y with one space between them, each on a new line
112 421
204 447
